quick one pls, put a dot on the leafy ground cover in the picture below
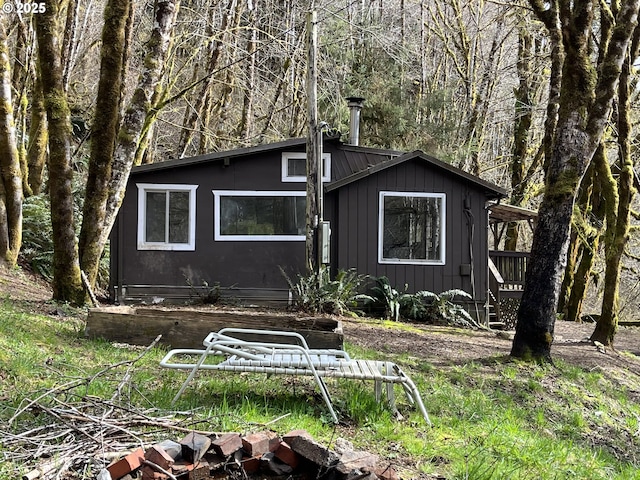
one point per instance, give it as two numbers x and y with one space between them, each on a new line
493 418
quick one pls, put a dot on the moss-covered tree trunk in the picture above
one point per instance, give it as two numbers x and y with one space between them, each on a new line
67 284
103 134
10 174
584 108
589 244
38 139
140 113
569 270
617 240
579 232
114 170
21 81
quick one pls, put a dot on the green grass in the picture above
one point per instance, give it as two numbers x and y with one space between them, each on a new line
492 420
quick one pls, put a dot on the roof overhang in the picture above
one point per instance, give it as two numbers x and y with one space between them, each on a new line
492 191
222 156
503 213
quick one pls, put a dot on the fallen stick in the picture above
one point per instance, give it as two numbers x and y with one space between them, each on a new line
87 285
80 417
174 427
78 382
66 386
158 468
126 362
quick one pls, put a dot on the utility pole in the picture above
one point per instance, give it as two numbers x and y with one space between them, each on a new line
314 146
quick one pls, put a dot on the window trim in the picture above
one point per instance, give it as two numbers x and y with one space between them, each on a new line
443 231
143 188
286 156
218 237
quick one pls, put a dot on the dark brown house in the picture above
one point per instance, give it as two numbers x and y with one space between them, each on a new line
235 218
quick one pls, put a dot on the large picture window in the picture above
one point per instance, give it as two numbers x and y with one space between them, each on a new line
166 217
250 215
294 167
412 228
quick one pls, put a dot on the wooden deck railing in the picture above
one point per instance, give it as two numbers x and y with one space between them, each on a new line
506 282
512 267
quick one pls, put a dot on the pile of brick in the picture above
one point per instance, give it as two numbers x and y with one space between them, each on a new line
256 455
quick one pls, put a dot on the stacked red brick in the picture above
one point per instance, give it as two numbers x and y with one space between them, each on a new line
199 457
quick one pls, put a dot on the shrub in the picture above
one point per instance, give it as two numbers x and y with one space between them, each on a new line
318 293
37 240
423 306
388 297
442 308
205 294
37 235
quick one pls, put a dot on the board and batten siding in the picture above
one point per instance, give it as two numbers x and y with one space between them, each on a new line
354 210
351 205
244 265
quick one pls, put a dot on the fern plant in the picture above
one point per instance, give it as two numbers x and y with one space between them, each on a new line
37 235
443 307
318 293
387 296
421 306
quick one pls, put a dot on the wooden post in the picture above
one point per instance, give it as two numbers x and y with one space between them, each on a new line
311 247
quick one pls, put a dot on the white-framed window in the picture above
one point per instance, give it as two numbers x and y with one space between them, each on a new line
294 167
166 216
259 215
411 228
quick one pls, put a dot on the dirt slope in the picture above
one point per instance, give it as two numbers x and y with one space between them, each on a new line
439 345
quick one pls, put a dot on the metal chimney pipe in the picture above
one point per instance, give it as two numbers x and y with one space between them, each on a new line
355 105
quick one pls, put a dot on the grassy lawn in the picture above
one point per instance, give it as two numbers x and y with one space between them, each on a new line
495 420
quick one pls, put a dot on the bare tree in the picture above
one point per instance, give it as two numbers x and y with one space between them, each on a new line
463 29
524 165
245 127
202 100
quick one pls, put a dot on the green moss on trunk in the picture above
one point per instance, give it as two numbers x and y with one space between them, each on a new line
38 139
10 172
104 132
618 225
67 284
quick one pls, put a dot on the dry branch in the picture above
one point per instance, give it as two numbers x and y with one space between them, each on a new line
86 433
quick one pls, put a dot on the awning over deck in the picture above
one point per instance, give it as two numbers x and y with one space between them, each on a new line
503 213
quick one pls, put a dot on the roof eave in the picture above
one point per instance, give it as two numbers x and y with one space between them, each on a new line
220 156
493 191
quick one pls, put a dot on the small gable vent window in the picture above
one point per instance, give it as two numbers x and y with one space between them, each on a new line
259 216
412 228
166 216
294 167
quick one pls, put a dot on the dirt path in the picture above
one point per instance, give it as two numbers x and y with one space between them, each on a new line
446 346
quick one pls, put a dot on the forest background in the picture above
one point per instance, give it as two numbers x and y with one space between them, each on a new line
90 88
